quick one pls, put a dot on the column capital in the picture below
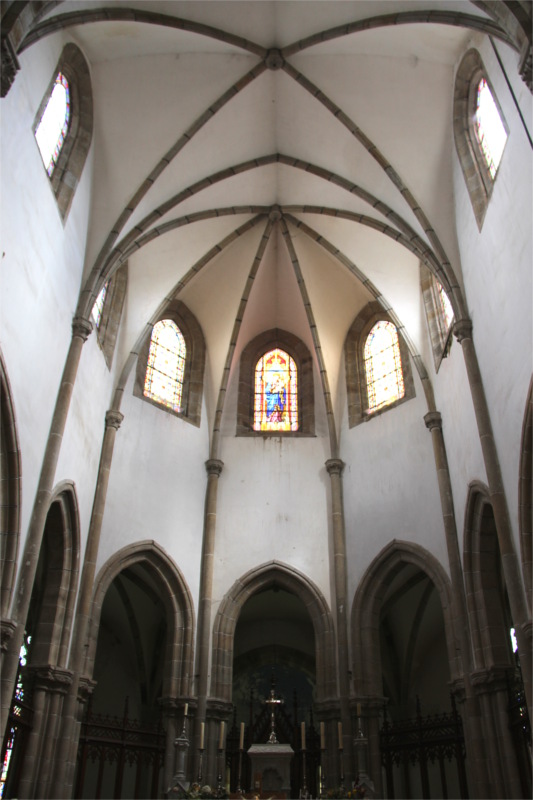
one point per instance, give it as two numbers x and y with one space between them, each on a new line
335 466
113 419
462 329
433 419
82 327
7 629
52 679
86 687
214 466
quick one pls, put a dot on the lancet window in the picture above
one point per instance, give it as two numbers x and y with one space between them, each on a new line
98 307
276 392
52 128
166 365
383 366
490 132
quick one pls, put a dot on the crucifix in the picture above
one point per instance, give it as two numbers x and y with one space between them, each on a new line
272 703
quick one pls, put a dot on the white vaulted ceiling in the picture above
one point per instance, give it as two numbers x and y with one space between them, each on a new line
350 136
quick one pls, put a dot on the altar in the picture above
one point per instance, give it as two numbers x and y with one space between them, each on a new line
271 768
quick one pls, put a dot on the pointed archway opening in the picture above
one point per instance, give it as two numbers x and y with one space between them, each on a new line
122 741
274 649
421 739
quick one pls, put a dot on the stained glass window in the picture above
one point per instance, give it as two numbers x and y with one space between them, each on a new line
383 366
445 307
166 365
52 129
98 307
276 392
489 127
9 741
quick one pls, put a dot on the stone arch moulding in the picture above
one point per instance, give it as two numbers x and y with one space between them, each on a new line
69 167
306 397
366 611
177 598
64 562
10 492
289 579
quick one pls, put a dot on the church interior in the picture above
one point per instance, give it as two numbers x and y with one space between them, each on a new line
266 398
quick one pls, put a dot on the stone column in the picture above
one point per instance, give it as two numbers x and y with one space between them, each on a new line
335 467
510 562
67 746
81 328
50 685
214 468
463 666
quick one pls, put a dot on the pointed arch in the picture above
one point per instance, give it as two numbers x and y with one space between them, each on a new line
10 489
486 600
257 579
177 599
365 616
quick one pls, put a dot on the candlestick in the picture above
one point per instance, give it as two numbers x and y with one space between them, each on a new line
186 709
202 733
339 729
358 709
303 735
221 737
322 736
241 738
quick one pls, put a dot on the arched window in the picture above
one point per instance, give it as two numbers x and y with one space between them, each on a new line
171 364
378 369
276 392
383 366
480 131
98 307
166 365
489 128
52 128
439 314
63 125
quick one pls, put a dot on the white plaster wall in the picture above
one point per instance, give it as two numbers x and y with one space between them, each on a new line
497 267
42 262
272 504
390 487
157 486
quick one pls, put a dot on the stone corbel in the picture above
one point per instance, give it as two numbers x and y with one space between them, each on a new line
7 629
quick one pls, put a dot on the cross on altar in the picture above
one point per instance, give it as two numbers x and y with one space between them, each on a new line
272 703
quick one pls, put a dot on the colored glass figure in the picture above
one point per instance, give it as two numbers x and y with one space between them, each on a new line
383 366
166 365
446 307
52 129
276 392
489 128
9 741
98 307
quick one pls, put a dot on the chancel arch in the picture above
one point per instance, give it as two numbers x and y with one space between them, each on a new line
139 654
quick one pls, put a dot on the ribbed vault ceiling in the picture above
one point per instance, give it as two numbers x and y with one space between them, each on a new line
308 144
